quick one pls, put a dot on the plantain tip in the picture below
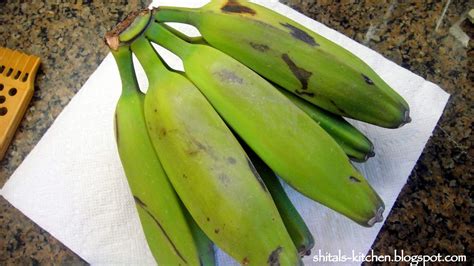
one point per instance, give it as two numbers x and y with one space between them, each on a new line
406 118
377 218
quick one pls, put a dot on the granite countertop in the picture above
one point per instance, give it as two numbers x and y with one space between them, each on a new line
434 210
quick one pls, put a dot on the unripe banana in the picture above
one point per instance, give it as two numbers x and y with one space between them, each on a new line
285 137
209 169
295 58
163 221
354 143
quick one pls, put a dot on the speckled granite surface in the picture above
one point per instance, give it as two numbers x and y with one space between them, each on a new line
434 211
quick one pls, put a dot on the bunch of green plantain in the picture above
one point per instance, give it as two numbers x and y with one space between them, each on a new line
261 98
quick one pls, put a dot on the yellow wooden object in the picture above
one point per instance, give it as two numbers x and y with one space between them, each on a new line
17 75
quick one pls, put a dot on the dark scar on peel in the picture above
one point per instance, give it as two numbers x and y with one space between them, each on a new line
273 259
216 231
139 201
231 160
367 80
257 176
354 179
144 207
246 261
260 47
301 74
163 132
116 129
306 93
233 6
300 34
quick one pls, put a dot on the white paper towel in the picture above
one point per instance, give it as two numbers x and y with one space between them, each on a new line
73 186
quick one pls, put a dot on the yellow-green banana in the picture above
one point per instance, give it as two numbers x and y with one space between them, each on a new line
285 137
209 169
295 58
355 144
294 223
163 221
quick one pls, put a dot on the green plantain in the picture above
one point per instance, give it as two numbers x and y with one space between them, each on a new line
285 137
163 221
354 143
295 58
209 169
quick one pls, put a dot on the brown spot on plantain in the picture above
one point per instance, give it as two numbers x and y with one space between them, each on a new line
274 257
231 160
257 176
259 47
224 179
216 230
229 76
300 34
116 128
245 261
367 80
163 132
354 179
300 73
233 6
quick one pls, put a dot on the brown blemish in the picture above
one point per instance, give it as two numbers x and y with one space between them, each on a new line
231 160
163 132
301 74
216 230
260 47
116 128
305 93
245 261
354 179
367 80
274 259
224 179
144 207
233 6
300 34
257 176
207 218
185 176
199 146
228 76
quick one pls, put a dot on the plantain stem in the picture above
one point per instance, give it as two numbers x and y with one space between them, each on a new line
152 64
177 14
157 33
123 57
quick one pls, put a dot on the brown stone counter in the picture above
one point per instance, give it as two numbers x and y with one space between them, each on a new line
432 214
